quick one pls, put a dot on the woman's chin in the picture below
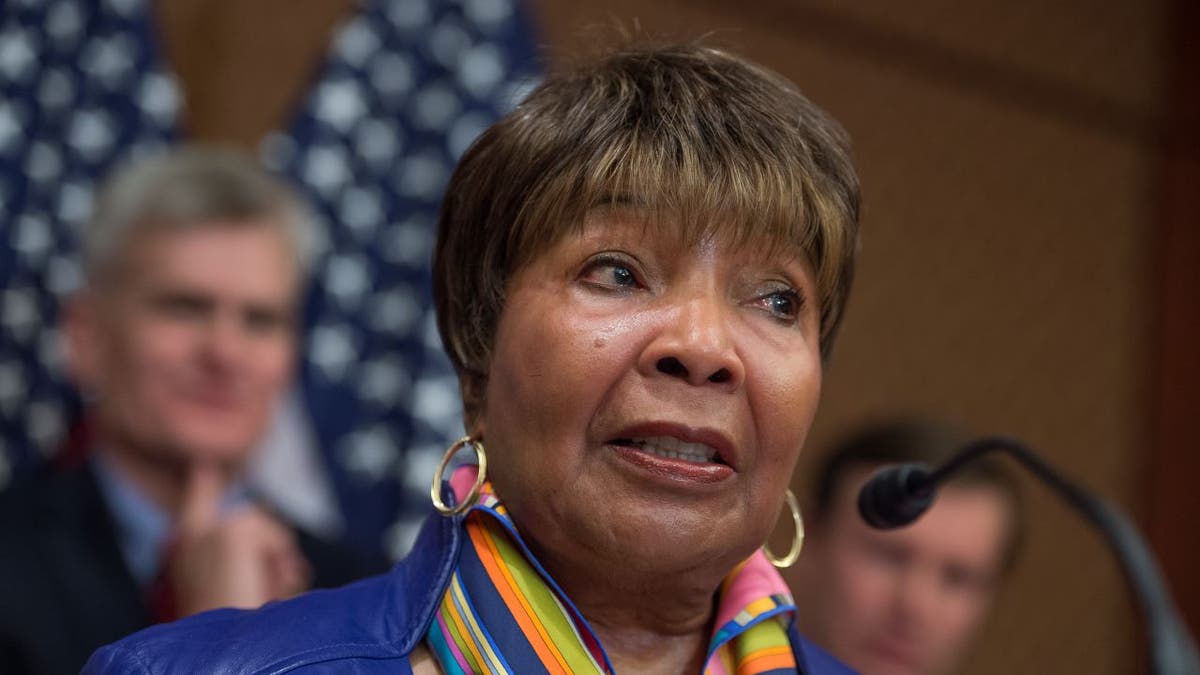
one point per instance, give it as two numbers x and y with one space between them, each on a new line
670 510
634 514
658 536
667 557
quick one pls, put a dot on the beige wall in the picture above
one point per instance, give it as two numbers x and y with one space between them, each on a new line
1008 153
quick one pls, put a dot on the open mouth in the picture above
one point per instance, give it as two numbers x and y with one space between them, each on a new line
670 447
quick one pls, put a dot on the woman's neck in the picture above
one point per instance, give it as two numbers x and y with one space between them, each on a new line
638 649
648 623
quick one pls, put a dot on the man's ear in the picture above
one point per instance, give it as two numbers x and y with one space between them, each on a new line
79 322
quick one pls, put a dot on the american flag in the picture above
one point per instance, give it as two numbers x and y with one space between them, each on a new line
81 88
405 88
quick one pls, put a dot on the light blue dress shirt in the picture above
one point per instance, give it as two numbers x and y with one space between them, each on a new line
142 525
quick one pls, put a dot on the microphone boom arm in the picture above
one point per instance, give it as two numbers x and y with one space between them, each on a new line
1172 649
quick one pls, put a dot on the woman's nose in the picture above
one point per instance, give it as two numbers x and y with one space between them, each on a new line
694 344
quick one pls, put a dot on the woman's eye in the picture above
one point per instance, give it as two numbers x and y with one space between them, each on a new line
622 276
609 273
784 304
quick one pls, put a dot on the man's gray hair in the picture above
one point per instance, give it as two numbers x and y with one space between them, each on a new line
187 187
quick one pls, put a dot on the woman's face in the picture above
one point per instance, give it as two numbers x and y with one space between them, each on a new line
647 401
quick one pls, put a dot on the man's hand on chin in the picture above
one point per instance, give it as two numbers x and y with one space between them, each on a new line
240 558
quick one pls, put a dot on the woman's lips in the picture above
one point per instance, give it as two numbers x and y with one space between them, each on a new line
668 438
653 460
673 448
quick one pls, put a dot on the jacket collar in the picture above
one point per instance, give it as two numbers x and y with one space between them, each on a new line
417 584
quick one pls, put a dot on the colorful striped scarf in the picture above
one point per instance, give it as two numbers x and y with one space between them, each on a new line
502 613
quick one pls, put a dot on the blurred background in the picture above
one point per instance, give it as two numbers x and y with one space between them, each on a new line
1031 242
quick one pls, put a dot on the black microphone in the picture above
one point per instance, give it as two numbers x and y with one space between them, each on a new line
897 495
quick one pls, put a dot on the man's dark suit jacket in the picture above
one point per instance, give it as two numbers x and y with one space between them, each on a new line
64 586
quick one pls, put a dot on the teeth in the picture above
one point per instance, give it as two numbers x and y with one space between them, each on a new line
673 448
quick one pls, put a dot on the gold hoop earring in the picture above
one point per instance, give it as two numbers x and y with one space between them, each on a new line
797 541
435 490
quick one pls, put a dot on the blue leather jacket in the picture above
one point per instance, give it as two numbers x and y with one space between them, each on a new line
369 627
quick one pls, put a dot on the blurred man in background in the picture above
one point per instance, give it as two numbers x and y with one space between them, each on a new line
907 601
182 342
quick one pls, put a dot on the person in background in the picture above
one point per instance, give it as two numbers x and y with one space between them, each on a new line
182 342
907 601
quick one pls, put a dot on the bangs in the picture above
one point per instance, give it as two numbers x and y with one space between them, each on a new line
752 165
761 206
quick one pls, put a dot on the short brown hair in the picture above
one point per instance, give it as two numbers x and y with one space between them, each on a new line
691 134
